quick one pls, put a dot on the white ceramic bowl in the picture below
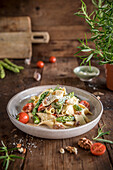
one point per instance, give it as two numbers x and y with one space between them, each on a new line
17 102
85 73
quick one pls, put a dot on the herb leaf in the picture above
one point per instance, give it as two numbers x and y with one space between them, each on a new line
101 133
77 107
7 157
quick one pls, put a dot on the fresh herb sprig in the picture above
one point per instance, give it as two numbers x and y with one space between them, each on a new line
101 133
101 28
7 157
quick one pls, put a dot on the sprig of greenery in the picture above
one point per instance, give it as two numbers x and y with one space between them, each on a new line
7 157
101 28
101 133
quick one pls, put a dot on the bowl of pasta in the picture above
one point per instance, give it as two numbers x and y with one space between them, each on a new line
54 112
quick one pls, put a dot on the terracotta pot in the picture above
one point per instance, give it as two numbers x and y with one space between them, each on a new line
109 76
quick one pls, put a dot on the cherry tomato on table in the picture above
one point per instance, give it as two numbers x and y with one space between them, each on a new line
40 64
52 59
98 149
85 103
28 107
23 117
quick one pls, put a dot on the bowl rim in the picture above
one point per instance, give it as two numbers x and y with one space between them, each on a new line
47 129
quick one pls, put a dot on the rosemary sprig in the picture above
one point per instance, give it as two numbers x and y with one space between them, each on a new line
101 133
7 157
101 27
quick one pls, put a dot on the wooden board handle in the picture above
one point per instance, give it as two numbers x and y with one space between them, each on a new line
40 37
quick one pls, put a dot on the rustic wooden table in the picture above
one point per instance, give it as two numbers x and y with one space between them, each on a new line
57 18
43 154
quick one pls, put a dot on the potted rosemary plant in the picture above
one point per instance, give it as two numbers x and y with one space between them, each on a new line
101 28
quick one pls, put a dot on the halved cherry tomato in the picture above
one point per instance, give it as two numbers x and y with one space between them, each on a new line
52 59
23 117
85 103
28 107
40 64
41 107
98 149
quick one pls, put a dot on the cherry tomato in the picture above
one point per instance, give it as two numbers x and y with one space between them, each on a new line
41 107
40 64
52 59
85 103
23 117
28 107
98 149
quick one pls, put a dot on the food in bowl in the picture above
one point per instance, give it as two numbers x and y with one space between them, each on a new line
57 109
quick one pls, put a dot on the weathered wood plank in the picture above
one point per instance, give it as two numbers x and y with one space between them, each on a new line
49 13
65 32
15 24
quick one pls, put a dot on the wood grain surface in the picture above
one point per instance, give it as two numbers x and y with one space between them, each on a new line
57 17
16 37
45 154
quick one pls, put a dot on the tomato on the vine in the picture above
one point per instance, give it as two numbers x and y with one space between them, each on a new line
52 59
23 117
98 149
85 103
40 64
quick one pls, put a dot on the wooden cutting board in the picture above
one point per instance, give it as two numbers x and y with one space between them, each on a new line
16 37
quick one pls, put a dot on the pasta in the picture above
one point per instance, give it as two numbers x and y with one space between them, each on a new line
57 109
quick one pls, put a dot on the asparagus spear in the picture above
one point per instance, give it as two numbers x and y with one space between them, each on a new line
65 119
39 102
2 72
12 64
16 70
36 119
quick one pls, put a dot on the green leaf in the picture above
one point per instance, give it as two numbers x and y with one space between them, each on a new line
86 50
71 94
77 107
2 157
89 58
57 88
4 162
103 140
14 156
12 149
7 164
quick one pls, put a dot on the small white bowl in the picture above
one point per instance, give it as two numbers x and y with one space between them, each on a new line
86 73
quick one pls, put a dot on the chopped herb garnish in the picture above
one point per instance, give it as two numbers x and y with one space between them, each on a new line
77 107
64 119
71 94
57 88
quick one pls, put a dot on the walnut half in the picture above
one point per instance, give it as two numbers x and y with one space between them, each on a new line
85 143
71 149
